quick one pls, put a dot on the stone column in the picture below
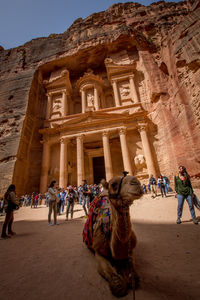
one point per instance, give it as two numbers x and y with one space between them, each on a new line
125 152
147 149
107 156
83 100
133 90
116 93
45 167
80 160
49 106
63 164
96 98
64 104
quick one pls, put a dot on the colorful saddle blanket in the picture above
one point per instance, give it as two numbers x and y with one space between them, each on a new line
99 215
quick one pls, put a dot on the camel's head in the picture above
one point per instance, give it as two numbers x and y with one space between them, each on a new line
130 190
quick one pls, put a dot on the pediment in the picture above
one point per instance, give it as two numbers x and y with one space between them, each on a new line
92 117
60 81
114 68
89 78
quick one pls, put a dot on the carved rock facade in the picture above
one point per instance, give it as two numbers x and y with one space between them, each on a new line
117 86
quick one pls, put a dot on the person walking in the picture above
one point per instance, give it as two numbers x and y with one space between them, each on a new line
167 183
10 204
59 197
184 190
161 186
152 182
80 194
36 199
71 195
85 197
63 196
144 188
52 192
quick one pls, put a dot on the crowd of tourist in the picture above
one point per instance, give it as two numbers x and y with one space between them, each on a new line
57 199
162 184
83 195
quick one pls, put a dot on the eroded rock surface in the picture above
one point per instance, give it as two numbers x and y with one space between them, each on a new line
163 39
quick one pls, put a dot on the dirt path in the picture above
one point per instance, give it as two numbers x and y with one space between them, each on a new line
43 262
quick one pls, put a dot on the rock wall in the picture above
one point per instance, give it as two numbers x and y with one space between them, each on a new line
166 39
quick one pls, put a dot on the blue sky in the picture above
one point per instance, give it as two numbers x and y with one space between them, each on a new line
24 20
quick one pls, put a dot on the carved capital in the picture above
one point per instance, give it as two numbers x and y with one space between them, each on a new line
80 137
122 131
64 92
142 127
83 90
113 81
106 133
131 76
45 140
49 95
63 141
108 60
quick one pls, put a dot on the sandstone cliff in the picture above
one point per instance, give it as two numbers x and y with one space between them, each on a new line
165 39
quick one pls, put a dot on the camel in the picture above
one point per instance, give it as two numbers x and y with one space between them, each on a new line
114 248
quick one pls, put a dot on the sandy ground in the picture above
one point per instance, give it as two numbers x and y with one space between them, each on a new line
43 262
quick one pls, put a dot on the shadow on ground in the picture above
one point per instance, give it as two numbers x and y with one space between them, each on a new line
44 262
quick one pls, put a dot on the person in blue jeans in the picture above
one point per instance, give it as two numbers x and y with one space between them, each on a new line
63 196
85 197
184 190
70 202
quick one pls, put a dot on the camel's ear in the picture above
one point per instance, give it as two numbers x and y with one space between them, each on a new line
104 183
113 184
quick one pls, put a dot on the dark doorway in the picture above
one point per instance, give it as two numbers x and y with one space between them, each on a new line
98 169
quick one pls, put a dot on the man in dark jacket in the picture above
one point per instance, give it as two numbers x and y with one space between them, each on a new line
152 182
85 196
71 195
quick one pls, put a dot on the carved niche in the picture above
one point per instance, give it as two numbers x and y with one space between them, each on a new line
56 106
124 89
140 162
92 86
90 98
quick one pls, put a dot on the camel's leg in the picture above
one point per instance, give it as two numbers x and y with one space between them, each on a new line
128 271
117 283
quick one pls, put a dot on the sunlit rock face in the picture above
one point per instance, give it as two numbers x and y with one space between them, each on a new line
157 46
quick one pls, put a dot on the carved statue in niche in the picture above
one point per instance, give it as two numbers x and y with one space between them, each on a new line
140 162
124 90
56 107
90 99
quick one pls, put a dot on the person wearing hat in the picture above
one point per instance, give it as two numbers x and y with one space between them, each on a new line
71 195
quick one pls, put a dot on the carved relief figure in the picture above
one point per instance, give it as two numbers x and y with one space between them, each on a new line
90 99
124 89
140 162
56 107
